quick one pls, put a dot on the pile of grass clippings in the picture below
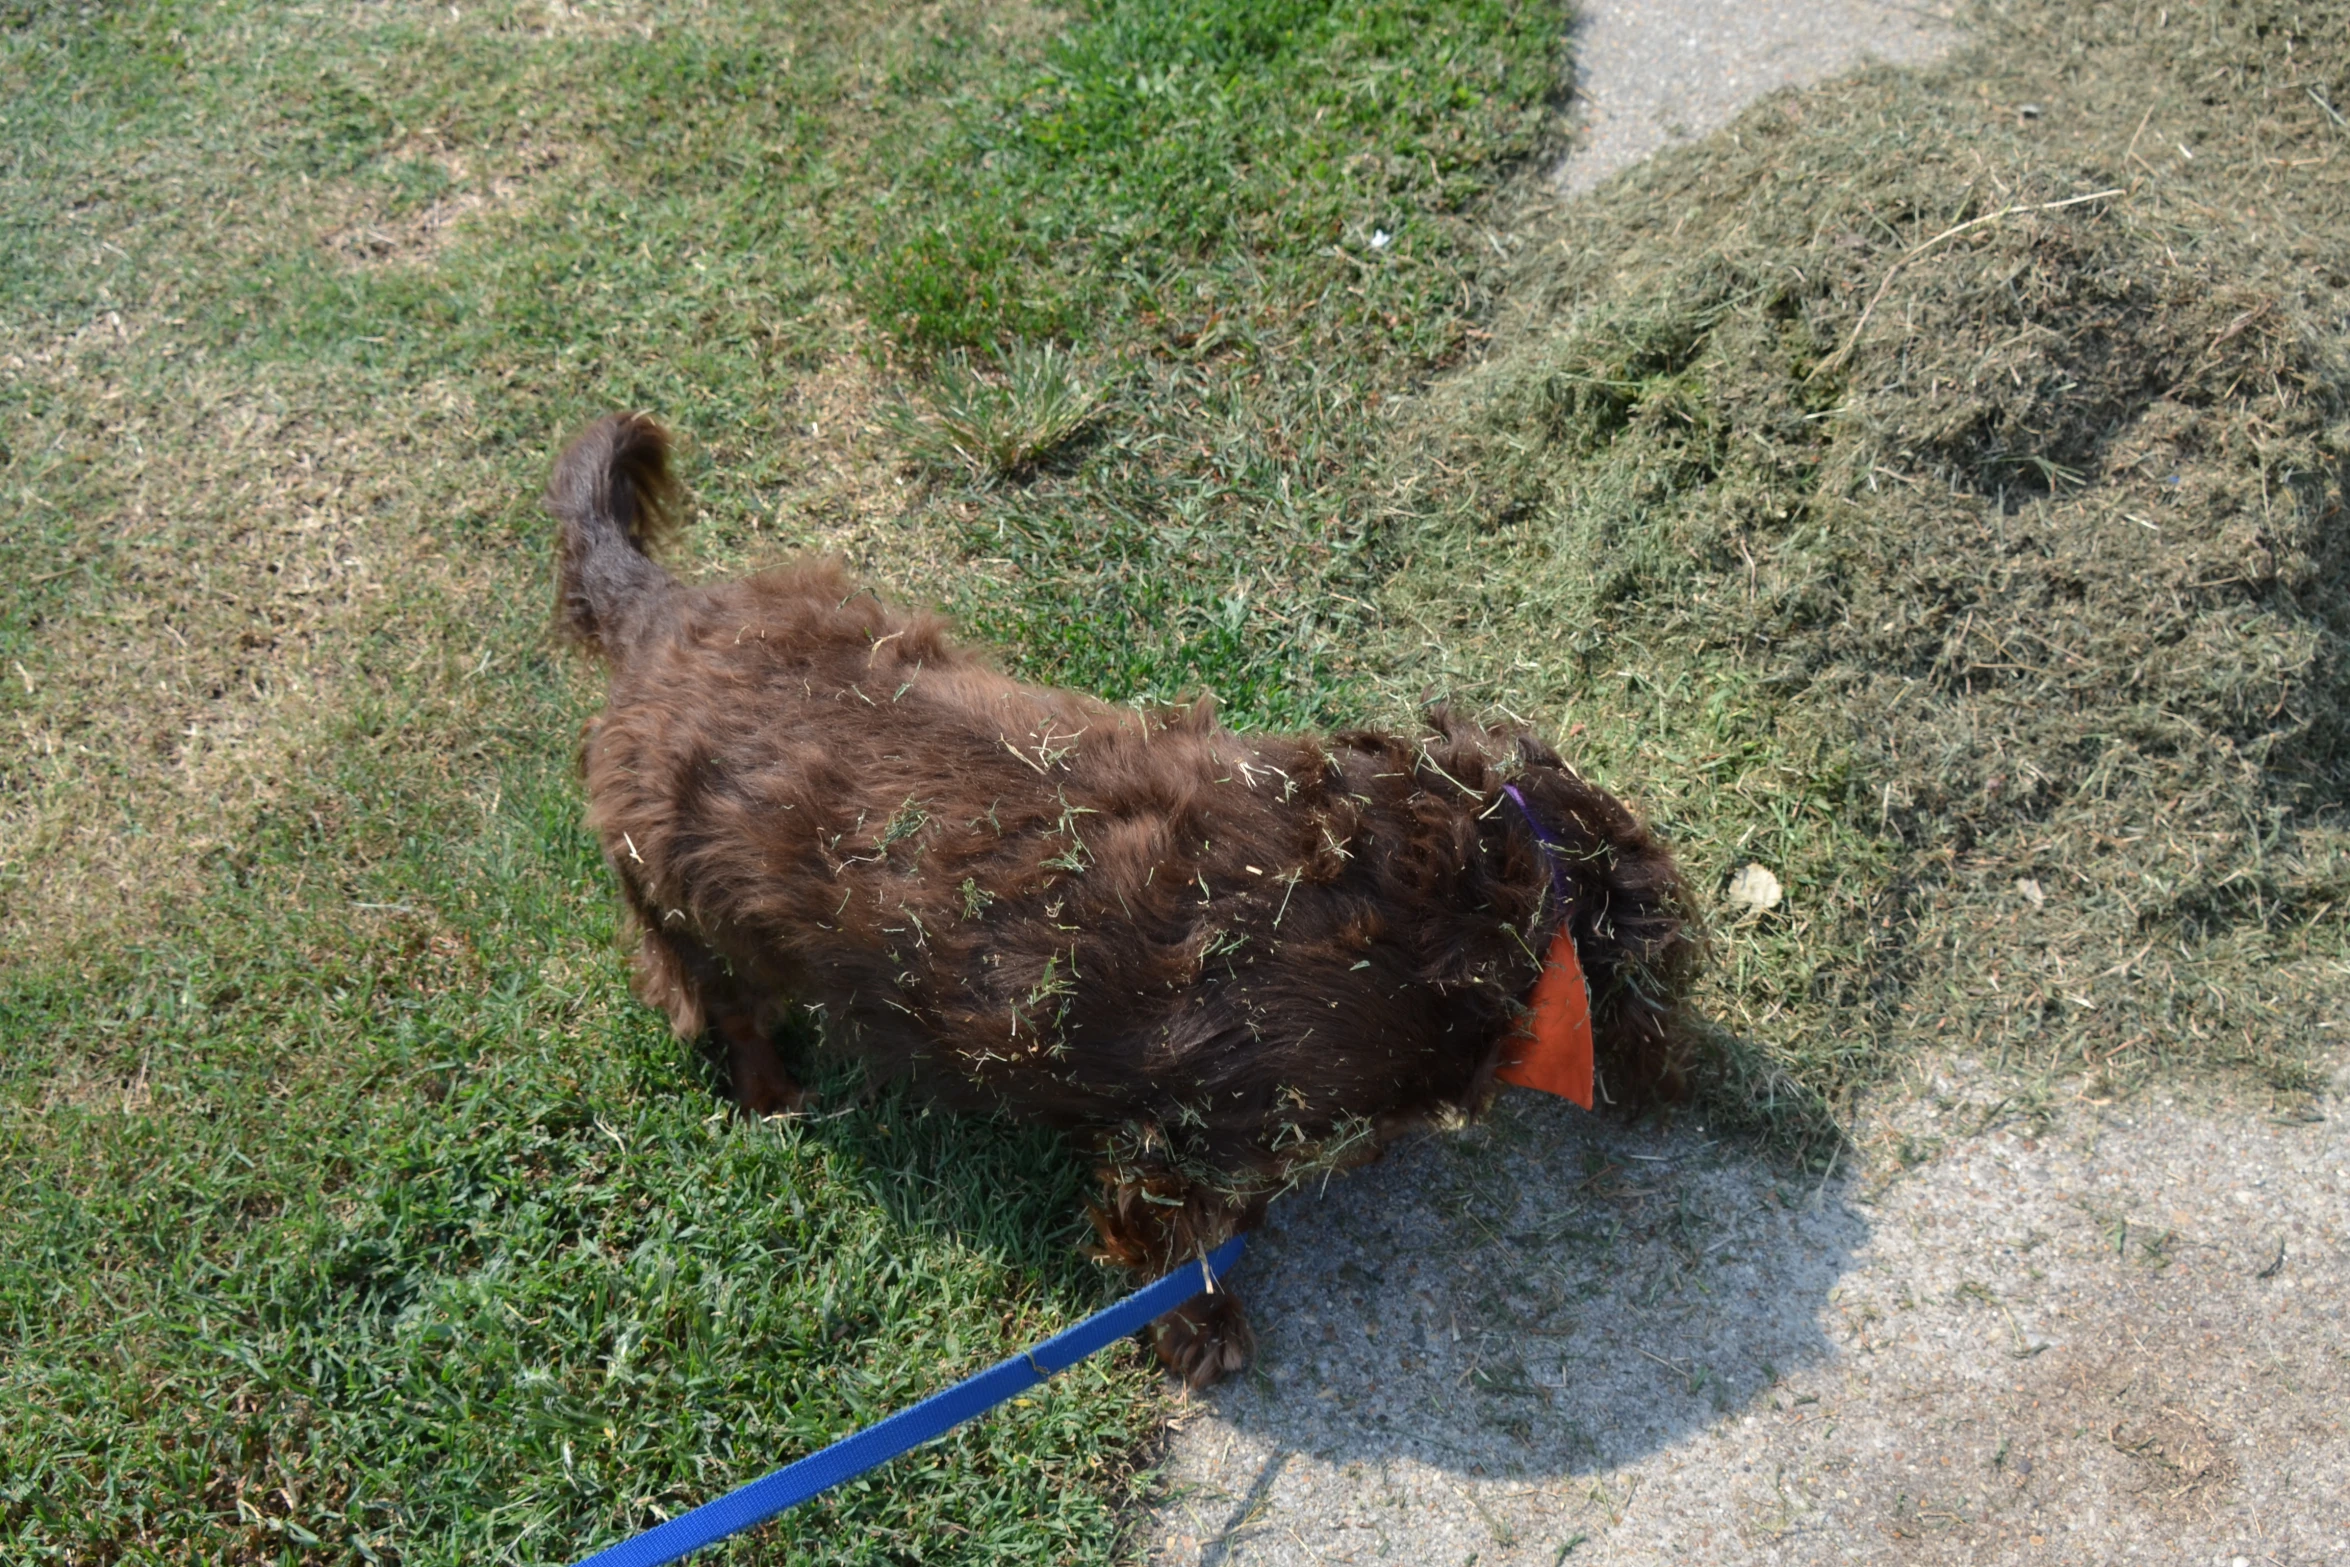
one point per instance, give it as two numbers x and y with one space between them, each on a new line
1932 489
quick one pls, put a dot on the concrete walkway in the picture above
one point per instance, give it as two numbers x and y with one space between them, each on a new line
2120 1339
1649 74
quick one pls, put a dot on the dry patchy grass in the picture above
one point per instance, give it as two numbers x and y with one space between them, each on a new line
246 554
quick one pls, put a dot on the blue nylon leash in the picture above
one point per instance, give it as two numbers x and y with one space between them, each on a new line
910 1427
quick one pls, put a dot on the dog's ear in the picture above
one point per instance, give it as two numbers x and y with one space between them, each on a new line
1534 752
1637 930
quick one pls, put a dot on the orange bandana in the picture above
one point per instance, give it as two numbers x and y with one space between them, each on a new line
1556 1054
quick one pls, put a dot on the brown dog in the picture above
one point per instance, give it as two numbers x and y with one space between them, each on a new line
1226 960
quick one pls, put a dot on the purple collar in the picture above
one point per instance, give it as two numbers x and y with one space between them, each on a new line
1550 851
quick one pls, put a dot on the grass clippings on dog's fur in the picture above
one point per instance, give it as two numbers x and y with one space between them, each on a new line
1931 490
353 1209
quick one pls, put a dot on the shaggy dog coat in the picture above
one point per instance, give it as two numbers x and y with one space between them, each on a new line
1225 960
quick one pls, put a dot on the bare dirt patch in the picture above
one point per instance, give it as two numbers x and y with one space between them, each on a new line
840 485
586 18
1647 76
830 479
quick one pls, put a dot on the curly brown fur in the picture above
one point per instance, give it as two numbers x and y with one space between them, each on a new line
1226 959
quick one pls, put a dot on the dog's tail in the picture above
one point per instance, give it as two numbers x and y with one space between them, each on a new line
613 493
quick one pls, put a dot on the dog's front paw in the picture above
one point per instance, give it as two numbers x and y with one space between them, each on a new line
774 1094
1206 1341
761 1085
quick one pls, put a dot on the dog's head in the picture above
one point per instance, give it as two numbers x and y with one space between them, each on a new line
1635 927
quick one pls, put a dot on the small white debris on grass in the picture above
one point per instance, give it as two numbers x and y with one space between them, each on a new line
1753 891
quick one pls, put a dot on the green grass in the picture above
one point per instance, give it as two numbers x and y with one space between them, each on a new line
998 421
1253 226
353 1211
1188 161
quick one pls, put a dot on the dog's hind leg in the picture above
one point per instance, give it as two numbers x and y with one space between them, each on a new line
1156 1223
685 980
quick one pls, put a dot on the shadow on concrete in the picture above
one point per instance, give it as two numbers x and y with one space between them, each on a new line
1548 1293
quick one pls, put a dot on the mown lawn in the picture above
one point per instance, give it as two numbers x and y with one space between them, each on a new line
1937 505
352 1209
